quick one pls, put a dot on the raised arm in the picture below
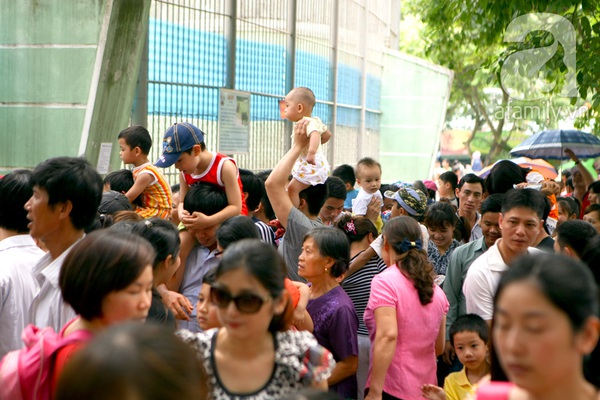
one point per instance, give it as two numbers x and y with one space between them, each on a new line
277 181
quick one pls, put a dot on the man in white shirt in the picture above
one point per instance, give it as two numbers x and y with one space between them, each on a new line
66 195
520 222
470 194
18 253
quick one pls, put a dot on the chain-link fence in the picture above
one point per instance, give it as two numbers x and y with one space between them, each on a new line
267 47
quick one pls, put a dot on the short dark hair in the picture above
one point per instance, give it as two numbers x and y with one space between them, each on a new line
236 228
594 187
332 243
336 188
346 173
210 276
570 205
576 234
440 215
266 203
472 179
451 178
503 175
137 136
254 186
492 203
315 196
591 208
162 235
71 179
367 162
15 190
206 198
470 323
102 262
527 198
119 181
569 183
175 188
128 355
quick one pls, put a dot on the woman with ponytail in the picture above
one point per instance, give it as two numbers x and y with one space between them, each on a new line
405 316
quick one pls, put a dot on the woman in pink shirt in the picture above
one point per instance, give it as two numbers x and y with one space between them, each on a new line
405 316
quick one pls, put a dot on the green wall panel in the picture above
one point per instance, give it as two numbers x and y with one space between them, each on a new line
46 75
36 134
50 21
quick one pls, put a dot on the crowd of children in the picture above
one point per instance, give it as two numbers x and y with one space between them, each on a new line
291 278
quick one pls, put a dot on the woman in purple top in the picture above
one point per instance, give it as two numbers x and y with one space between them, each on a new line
324 258
405 316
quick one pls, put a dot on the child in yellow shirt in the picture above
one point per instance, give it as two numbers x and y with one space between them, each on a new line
469 335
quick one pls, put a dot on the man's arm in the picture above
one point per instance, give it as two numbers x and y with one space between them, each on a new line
277 181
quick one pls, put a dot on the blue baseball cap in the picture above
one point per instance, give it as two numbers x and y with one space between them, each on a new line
178 138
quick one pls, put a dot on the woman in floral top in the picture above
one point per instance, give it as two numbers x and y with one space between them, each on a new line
253 356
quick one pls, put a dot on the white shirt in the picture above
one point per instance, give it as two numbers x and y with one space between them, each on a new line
18 255
482 281
377 244
48 307
199 262
362 200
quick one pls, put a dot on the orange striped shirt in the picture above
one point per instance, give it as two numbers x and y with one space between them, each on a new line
156 198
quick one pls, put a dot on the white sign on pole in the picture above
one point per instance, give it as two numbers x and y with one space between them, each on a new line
234 122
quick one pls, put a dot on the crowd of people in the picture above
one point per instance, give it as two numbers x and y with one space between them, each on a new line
292 284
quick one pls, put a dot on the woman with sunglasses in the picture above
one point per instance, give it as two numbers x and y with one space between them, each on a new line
323 261
253 356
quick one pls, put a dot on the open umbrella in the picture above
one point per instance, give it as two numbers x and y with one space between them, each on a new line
551 145
539 165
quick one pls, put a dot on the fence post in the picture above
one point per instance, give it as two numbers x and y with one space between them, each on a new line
230 38
362 130
290 63
139 114
334 70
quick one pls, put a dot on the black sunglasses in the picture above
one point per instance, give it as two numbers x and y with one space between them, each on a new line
246 303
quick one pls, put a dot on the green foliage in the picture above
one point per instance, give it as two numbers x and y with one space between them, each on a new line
467 36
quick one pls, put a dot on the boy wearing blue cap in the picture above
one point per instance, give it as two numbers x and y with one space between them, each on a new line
184 147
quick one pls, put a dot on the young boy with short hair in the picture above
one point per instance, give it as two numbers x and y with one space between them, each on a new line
368 177
149 182
469 335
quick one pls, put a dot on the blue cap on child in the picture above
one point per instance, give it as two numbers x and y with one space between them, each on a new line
178 138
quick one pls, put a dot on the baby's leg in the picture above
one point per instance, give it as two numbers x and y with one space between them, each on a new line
294 189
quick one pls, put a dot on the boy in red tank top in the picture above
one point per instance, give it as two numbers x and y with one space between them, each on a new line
183 146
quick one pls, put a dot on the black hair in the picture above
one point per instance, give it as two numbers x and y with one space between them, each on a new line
570 205
440 215
261 261
415 262
137 136
503 175
266 203
492 203
421 186
591 208
119 181
102 262
470 323
569 183
236 228
162 235
315 196
210 276
565 282
356 228
450 177
346 173
254 186
141 361
472 179
336 188
526 198
206 198
175 188
15 190
576 234
71 179
594 187
332 243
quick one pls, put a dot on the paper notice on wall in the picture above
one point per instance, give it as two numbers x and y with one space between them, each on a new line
234 122
104 158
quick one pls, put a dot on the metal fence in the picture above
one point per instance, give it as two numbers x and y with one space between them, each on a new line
267 47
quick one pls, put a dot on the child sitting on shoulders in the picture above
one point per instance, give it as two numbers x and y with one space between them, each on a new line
368 177
469 336
149 182
312 167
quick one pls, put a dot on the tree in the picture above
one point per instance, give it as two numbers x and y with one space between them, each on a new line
469 38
